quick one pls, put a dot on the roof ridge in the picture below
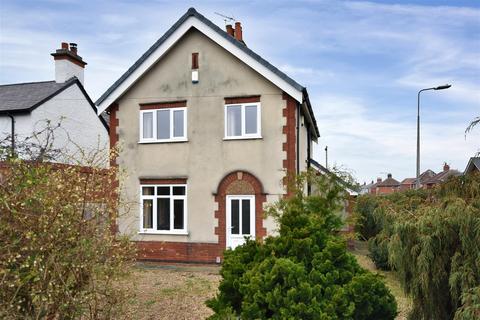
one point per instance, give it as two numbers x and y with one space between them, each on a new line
23 83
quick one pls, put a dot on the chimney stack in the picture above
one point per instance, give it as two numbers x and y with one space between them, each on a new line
389 176
446 167
379 180
230 30
68 63
238 32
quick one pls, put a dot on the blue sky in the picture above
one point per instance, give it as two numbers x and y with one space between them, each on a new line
362 62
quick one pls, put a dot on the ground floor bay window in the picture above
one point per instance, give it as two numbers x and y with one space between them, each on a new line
163 209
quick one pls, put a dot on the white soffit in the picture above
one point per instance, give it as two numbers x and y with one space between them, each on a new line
214 36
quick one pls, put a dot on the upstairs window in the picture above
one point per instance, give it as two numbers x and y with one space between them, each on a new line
242 121
163 122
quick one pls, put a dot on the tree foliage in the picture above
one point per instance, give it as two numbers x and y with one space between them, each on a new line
305 271
59 258
432 239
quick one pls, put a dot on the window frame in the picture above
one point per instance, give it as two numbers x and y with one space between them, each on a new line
172 198
154 125
243 135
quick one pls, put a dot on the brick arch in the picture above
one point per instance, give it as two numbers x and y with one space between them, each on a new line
239 182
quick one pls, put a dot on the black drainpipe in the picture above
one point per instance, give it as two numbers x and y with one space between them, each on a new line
309 141
13 134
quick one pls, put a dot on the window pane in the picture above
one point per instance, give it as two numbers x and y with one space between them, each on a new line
163 191
178 214
235 216
178 130
234 121
147 125
147 214
178 191
163 214
148 191
163 124
251 119
245 216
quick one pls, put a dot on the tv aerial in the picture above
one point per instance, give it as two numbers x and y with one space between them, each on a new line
227 19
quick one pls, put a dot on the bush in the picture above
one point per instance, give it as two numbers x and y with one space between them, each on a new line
59 258
303 273
378 247
365 225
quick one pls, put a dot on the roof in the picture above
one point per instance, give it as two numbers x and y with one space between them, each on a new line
324 170
409 181
25 97
473 164
389 182
442 176
193 19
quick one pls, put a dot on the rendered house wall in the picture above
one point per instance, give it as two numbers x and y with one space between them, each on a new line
206 158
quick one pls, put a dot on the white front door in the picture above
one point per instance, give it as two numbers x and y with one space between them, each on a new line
240 220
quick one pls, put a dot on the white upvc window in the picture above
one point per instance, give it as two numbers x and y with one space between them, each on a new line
243 121
163 209
163 125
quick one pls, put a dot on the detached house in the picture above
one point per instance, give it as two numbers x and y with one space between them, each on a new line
208 132
25 108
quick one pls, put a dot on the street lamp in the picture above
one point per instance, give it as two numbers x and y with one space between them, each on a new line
446 86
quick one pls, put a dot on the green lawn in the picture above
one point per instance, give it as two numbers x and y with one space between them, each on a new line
404 303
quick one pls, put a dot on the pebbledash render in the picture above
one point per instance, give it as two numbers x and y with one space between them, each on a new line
208 132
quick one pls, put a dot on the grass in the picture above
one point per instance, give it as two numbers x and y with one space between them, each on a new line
173 291
403 302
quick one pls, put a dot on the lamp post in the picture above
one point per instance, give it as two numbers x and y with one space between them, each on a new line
446 86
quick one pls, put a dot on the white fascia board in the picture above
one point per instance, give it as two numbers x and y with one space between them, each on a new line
214 36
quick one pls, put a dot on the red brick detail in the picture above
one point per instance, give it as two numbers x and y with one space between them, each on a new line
289 146
242 99
113 135
178 251
163 105
164 181
195 60
220 198
71 59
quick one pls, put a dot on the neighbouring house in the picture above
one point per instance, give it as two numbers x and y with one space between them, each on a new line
208 132
349 204
373 187
26 107
473 166
366 188
410 183
440 177
387 186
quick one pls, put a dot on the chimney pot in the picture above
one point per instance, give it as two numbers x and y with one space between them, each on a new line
446 167
230 30
389 175
379 180
64 45
238 31
73 47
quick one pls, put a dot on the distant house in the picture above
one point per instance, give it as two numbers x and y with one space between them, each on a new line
473 166
366 188
373 186
441 177
410 183
25 107
387 186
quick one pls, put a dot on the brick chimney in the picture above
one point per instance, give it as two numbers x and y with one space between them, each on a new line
68 63
238 31
230 30
446 167
389 176
379 180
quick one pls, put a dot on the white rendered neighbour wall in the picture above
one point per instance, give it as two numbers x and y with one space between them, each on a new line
65 69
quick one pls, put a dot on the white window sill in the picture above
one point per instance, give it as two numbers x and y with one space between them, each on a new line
171 233
243 138
162 141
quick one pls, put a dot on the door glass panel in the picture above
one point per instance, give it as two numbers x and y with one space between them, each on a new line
163 214
178 214
148 125
163 124
178 123
234 121
250 119
235 216
245 216
147 213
